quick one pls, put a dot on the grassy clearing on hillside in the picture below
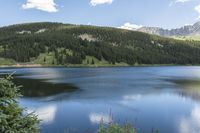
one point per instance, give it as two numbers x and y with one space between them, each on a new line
48 59
92 61
44 59
195 37
4 61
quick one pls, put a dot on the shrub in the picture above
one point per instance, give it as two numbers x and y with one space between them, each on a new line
116 128
13 119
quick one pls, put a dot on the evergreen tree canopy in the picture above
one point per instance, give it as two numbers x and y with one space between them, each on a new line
13 119
70 44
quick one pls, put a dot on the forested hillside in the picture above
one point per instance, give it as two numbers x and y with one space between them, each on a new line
64 44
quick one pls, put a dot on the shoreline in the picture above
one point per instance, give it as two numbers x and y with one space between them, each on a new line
21 66
91 66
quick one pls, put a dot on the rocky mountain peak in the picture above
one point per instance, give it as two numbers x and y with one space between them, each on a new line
183 31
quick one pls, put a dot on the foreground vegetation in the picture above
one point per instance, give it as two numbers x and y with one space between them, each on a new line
13 118
116 128
70 45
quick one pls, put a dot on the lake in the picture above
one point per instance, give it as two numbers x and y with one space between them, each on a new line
78 99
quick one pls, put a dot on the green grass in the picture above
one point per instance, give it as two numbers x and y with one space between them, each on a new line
4 61
63 27
48 59
195 37
44 59
98 63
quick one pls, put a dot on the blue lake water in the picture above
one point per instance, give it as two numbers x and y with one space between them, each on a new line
78 99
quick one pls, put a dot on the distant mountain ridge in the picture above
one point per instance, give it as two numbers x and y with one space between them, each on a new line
183 31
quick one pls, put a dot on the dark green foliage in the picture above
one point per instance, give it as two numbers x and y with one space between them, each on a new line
93 62
44 59
53 62
13 118
157 131
113 45
116 128
74 59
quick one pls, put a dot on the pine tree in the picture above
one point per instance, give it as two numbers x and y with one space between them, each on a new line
44 59
12 117
93 62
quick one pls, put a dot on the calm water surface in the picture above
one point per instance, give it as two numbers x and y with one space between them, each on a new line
78 99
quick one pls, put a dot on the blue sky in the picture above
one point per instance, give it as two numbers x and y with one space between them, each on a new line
115 13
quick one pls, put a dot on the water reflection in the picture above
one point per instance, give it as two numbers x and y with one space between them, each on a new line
40 88
191 123
167 98
45 113
97 118
189 87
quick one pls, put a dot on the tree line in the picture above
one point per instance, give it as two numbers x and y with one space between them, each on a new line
113 45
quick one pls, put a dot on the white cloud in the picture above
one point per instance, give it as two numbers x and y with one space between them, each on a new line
89 23
197 8
129 26
99 2
44 5
178 1
182 1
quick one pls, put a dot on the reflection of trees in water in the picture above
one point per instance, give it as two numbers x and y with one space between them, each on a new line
40 88
189 88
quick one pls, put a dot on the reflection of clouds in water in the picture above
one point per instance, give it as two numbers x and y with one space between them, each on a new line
41 73
196 114
46 114
191 124
97 118
132 97
128 99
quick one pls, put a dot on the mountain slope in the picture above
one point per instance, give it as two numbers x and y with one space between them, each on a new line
188 30
66 44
